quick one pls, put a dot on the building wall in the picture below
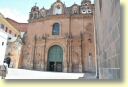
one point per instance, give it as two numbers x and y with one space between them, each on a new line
12 46
3 42
76 37
76 50
107 24
8 27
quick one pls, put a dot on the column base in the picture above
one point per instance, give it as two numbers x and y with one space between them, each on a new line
80 68
65 70
70 68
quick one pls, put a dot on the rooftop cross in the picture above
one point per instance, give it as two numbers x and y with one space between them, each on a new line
35 3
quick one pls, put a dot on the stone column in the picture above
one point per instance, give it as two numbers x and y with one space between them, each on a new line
42 58
65 67
70 56
65 62
67 54
80 68
80 59
70 67
45 59
45 52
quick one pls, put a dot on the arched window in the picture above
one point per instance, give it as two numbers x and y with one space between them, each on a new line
56 29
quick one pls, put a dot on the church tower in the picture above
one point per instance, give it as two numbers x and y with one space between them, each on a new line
86 7
34 14
60 38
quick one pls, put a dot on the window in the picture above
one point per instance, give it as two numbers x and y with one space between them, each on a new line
10 31
9 38
89 11
84 10
90 54
6 30
56 29
2 43
15 35
100 4
1 26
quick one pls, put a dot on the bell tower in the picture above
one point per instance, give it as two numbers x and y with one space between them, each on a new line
85 7
34 14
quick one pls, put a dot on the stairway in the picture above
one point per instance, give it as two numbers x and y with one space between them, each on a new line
89 76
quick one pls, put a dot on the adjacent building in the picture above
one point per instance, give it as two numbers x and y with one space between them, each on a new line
9 42
3 42
22 27
78 38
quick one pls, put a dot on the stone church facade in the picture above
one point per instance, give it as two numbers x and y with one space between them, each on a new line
60 39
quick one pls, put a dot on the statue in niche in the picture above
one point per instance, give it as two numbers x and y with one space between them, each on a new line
75 10
42 12
34 14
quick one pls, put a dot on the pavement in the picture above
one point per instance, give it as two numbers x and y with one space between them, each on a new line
89 76
31 74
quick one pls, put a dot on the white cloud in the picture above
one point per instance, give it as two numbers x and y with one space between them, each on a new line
14 14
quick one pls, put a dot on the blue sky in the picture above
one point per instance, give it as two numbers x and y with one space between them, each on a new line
19 9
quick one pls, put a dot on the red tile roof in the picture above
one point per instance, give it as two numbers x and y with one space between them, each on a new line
20 26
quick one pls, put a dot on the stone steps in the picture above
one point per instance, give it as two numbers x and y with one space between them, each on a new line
89 76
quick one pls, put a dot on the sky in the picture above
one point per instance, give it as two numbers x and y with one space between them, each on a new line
19 9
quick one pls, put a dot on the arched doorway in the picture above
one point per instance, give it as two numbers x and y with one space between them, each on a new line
55 58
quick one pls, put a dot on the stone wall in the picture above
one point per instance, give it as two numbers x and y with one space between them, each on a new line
107 21
13 51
